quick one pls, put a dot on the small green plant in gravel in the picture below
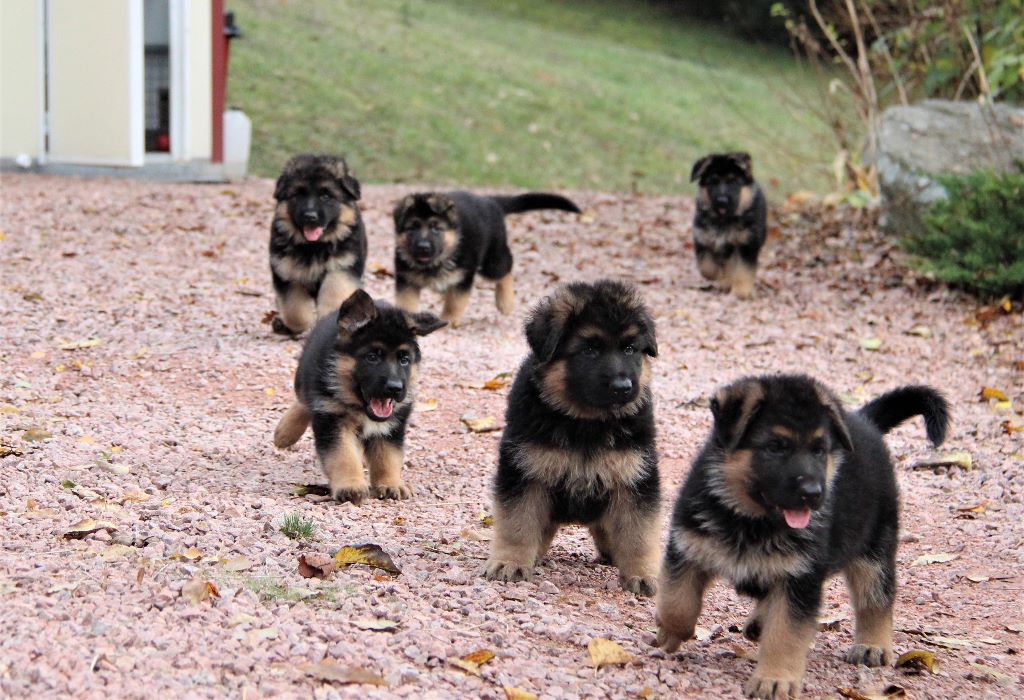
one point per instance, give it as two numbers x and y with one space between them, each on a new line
973 238
296 527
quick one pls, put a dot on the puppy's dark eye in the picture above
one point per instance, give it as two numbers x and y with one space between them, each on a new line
324 196
777 447
590 350
629 349
404 359
372 357
818 449
434 228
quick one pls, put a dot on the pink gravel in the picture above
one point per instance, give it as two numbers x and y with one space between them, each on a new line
164 428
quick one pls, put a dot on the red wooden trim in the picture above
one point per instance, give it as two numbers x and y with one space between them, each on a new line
219 48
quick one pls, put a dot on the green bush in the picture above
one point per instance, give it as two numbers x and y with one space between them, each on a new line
975 238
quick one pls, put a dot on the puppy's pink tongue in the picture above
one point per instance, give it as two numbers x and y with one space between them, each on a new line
797 518
382 408
312 233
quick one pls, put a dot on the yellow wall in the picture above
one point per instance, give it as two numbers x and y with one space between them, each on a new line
199 79
20 77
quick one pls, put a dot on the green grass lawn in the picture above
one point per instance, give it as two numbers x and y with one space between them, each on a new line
533 93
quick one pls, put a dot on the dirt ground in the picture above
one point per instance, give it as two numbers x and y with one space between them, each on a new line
140 386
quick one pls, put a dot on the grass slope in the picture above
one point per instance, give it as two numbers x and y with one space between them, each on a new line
539 94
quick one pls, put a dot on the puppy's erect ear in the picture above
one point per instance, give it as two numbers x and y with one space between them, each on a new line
742 161
355 312
734 407
835 416
549 320
424 322
699 167
400 210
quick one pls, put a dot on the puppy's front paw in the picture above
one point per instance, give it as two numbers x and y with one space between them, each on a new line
354 494
508 570
641 585
867 655
772 688
399 492
667 641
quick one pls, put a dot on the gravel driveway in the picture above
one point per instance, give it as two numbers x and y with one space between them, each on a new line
140 385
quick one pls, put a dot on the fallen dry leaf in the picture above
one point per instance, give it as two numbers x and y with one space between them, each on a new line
115 552
918 660
513 693
471 663
197 590
425 406
476 536
992 675
336 673
497 382
989 392
947 642
268 317
950 459
238 564
920 331
88 526
79 344
892 691
940 558
370 554
486 424
605 652
308 489
871 344
1017 627
378 624
315 566
972 512
35 435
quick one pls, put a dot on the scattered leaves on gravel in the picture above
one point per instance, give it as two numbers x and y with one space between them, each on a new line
918 660
370 554
605 652
316 566
336 673
86 527
471 662
940 558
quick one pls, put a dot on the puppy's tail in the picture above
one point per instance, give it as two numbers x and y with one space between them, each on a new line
291 426
536 200
896 406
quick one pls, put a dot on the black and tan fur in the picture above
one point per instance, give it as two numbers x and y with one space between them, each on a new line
445 239
355 383
579 442
317 240
730 225
789 490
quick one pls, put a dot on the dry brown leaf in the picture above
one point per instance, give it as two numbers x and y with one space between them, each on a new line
920 331
425 406
197 590
1009 427
497 382
476 536
992 675
487 521
375 625
988 393
1017 627
315 566
35 435
918 660
605 652
115 552
471 663
892 691
370 554
79 344
88 526
972 512
238 564
962 460
741 653
486 424
831 623
268 317
947 642
9 450
871 344
513 693
940 558
336 673
314 489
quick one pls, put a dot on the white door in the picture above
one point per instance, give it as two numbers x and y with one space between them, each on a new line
96 106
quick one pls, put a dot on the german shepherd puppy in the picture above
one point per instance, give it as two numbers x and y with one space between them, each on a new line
317 240
355 383
789 490
731 221
579 445
443 240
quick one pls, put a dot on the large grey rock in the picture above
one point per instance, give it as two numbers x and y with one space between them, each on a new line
937 137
